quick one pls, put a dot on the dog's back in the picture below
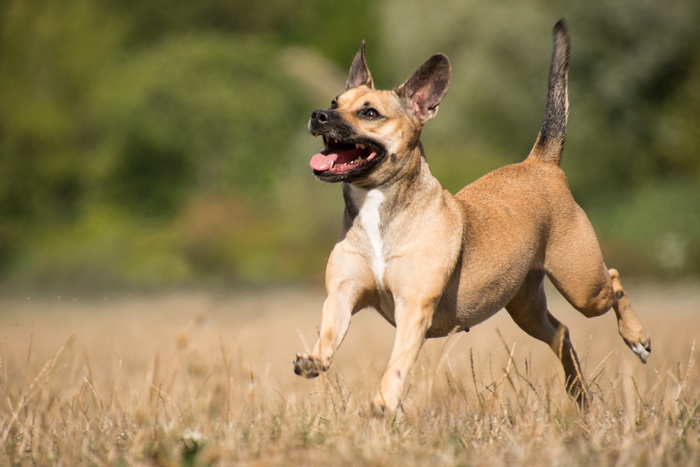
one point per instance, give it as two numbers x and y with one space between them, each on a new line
549 145
537 185
517 208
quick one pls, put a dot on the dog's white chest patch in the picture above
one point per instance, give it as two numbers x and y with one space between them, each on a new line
368 203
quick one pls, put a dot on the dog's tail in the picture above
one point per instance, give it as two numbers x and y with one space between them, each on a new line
550 140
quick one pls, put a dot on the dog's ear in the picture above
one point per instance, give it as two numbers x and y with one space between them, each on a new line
359 72
425 89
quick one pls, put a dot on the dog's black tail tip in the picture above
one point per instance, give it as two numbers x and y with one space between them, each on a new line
550 140
560 27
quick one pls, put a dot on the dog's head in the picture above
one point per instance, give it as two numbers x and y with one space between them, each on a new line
370 134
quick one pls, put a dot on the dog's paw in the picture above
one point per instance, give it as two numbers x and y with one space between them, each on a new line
307 366
636 338
383 407
641 349
378 408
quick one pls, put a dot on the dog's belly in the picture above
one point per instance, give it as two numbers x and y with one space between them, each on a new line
472 298
453 317
453 313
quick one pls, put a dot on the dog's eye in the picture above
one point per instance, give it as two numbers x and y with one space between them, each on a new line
371 113
334 104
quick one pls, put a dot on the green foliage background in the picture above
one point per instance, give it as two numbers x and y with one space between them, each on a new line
164 143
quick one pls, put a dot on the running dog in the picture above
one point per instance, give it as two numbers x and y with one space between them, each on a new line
432 263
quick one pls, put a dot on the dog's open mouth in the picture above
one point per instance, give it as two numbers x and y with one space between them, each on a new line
340 158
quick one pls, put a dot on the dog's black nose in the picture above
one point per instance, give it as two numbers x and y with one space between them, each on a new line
320 116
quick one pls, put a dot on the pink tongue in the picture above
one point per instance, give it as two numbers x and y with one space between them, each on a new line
322 162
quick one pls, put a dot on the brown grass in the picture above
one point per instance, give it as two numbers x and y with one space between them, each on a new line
201 379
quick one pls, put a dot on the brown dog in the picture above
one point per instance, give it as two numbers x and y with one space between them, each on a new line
432 263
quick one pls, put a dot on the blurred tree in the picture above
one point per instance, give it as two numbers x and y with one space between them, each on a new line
194 115
332 28
51 55
116 118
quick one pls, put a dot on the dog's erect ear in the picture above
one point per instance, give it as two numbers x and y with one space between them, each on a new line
425 89
359 72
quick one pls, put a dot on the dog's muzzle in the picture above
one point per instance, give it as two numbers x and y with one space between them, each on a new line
346 156
319 118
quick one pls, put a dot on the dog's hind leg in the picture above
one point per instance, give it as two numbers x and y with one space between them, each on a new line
528 308
575 266
631 329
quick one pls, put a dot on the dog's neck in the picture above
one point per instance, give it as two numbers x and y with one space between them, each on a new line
411 184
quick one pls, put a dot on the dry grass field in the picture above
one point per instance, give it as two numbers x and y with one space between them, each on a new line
196 378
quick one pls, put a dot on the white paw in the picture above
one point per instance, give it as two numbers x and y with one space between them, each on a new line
642 351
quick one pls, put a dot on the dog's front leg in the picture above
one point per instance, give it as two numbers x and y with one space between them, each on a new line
413 318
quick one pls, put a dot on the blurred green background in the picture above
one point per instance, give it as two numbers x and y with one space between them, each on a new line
161 143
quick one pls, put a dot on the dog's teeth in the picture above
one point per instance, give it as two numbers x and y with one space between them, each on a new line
361 146
332 164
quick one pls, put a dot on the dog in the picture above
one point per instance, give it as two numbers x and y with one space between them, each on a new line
432 263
